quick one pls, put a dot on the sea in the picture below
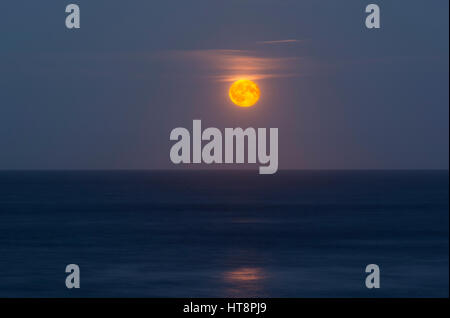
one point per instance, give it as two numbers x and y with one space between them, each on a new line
224 233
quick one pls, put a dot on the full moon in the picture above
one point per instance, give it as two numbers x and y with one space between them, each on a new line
244 93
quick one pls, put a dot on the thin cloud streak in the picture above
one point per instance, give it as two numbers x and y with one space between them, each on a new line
279 41
230 65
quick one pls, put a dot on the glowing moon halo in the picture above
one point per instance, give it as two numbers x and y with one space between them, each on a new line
244 93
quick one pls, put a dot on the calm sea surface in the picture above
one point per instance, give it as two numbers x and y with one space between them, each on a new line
224 234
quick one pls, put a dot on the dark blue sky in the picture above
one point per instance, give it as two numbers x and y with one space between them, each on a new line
106 96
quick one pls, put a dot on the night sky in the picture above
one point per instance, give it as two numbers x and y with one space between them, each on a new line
106 96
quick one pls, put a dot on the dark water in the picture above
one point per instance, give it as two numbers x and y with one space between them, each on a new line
229 233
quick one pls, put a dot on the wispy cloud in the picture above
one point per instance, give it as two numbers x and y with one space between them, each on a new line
287 41
230 65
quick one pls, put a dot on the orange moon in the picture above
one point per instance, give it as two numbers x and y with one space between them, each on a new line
244 93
